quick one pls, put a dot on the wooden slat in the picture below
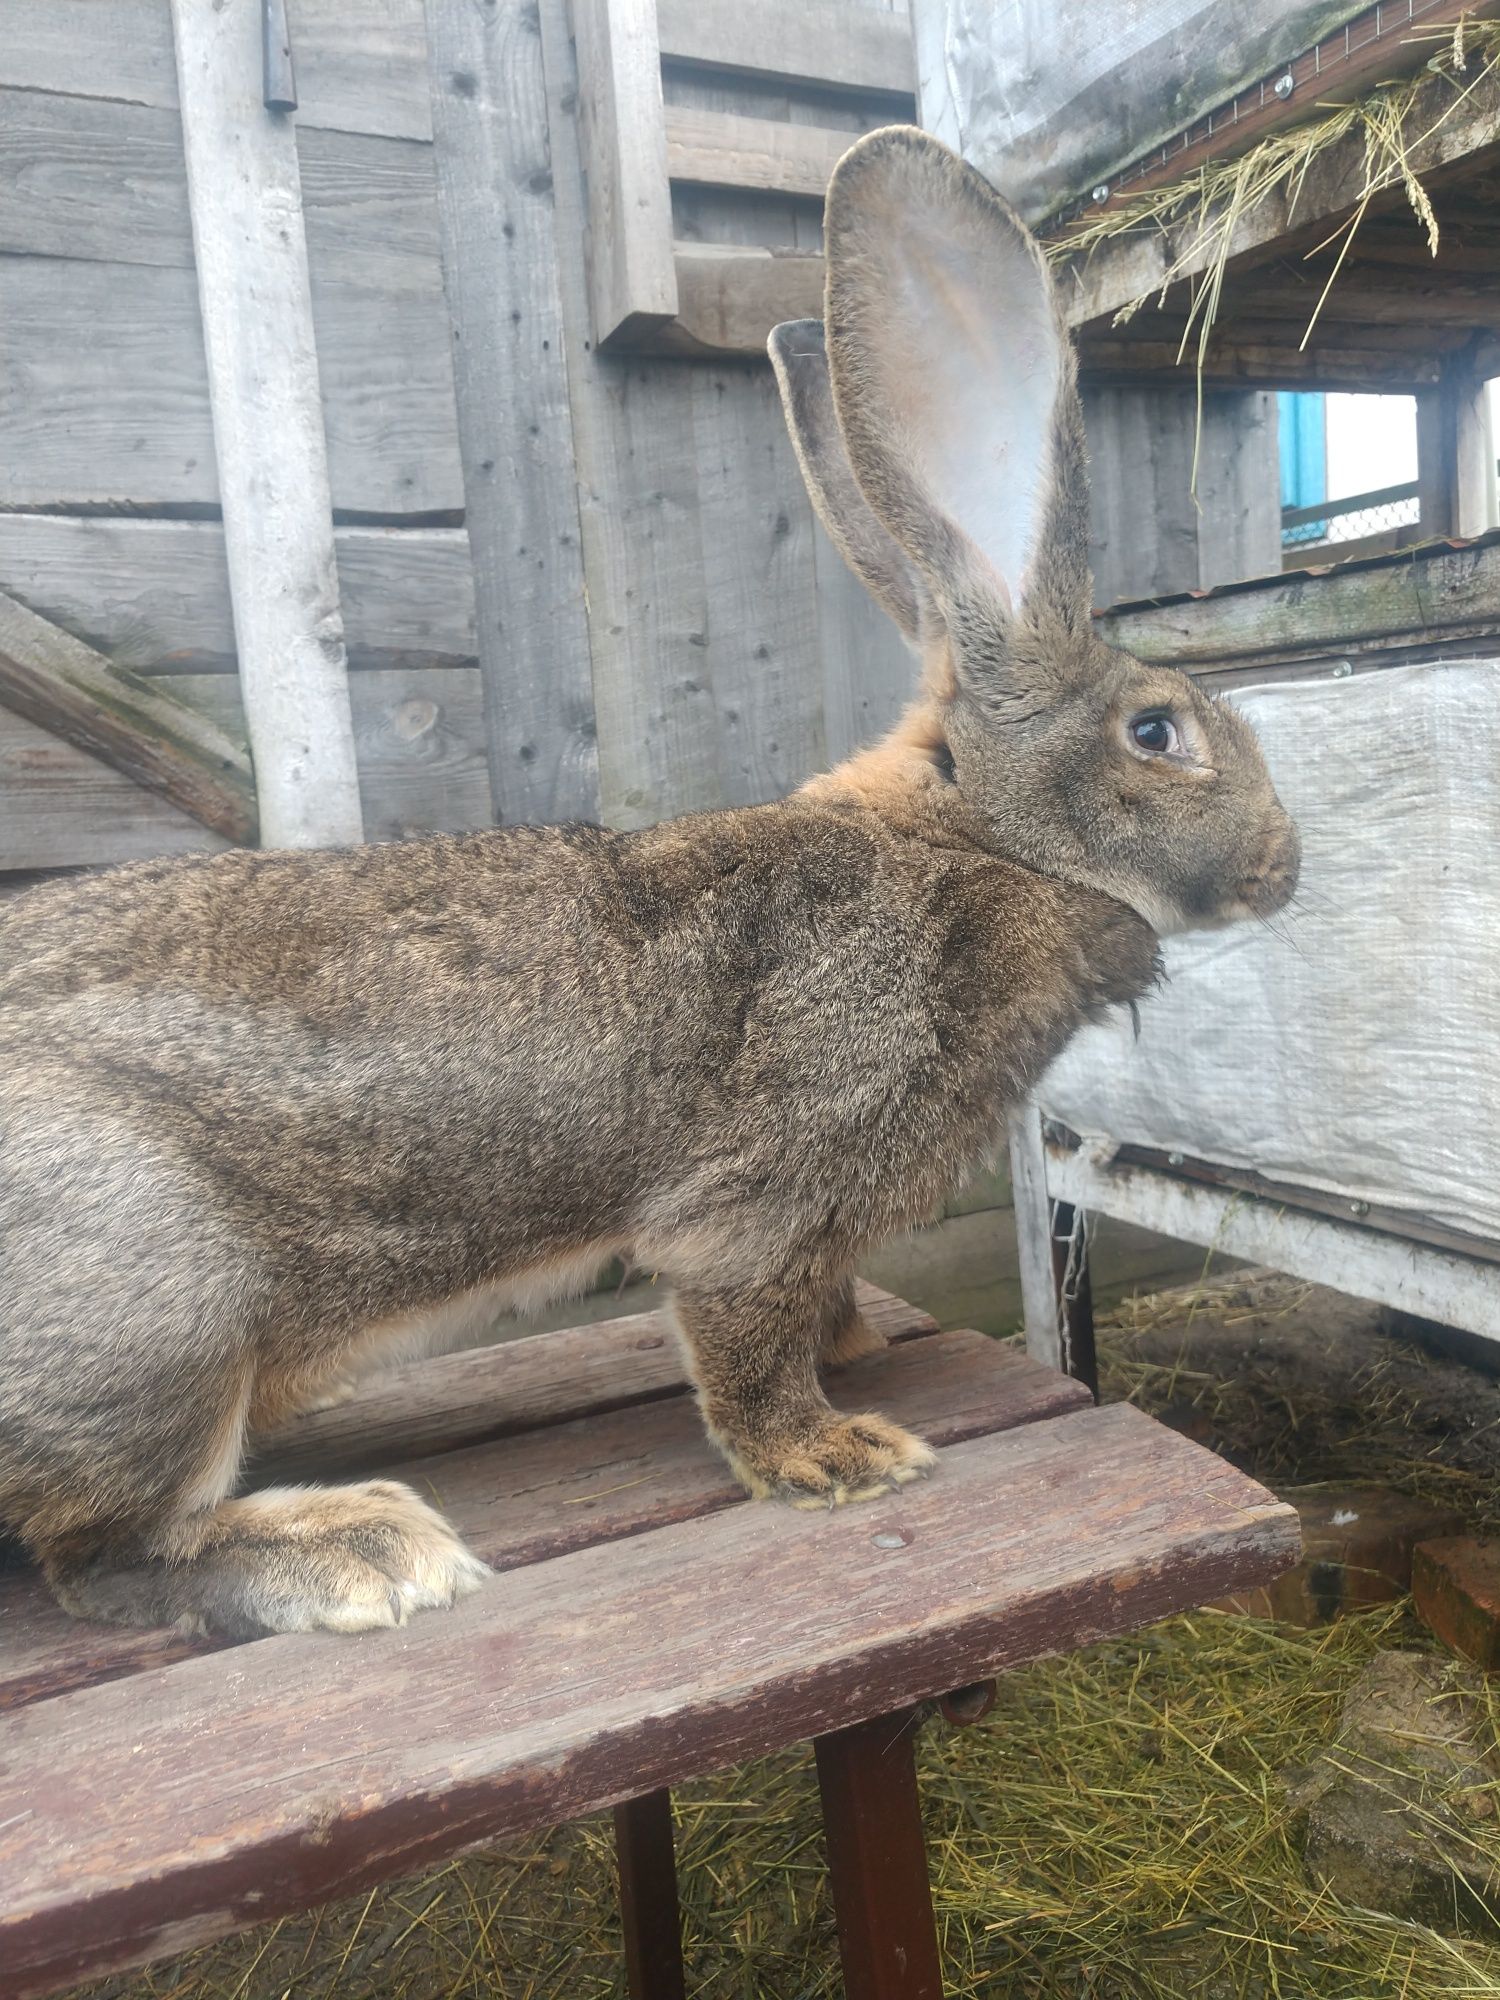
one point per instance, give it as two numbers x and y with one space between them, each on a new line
458 1400
563 1688
124 415
500 249
359 62
154 595
722 149
760 585
636 455
146 733
547 1493
622 128
729 299
1421 594
821 41
419 736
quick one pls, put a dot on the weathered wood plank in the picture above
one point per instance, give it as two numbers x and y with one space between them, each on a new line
359 66
562 1688
255 296
124 415
145 732
722 149
544 1494
419 736
460 1400
90 178
489 113
61 808
1421 593
760 585
636 459
155 594
623 134
730 297
849 48
1033 1226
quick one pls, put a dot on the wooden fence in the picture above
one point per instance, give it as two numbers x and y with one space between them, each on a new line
565 580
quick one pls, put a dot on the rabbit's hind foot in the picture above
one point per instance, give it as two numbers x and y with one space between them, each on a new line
846 1458
289 1559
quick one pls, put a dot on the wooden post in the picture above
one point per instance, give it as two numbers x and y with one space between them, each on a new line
1474 497
649 1915
246 198
1056 1301
872 1821
623 125
500 274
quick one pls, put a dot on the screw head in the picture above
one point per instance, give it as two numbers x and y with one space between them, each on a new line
1359 1208
1343 670
896 1541
1101 192
1175 1159
1285 85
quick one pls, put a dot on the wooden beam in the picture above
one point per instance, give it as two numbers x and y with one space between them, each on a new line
725 149
1040 1305
731 298
64 686
1433 1284
1424 594
622 126
826 42
500 252
245 195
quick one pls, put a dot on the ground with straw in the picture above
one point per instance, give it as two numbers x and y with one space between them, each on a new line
1116 1830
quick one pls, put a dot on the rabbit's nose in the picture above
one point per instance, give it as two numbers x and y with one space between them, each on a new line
1274 881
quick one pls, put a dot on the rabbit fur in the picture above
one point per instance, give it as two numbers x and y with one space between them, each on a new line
269 1119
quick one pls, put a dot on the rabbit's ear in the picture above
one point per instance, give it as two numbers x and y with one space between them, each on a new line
954 381
800 360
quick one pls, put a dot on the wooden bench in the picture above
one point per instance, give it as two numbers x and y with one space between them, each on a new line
648 1627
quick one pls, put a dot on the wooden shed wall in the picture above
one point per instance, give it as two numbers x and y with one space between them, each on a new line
729 653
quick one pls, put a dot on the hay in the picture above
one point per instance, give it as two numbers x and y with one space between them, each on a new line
1201 212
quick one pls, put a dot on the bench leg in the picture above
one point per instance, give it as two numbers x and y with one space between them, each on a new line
877 1860
648 1898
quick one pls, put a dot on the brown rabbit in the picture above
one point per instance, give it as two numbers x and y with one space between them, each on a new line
268 1119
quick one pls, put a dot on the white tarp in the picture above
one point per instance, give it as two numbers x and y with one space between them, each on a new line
1049 97
1355 1046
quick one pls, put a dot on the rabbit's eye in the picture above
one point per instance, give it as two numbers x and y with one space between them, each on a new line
1154 733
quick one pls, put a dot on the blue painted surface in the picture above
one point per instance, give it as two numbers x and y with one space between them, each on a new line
1303 432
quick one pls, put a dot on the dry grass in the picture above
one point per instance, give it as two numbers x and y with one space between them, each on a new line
1202 212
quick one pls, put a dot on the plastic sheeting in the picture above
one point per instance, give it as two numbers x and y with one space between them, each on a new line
1049 97
1354 1046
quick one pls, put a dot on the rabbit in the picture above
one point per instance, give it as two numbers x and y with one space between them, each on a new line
269 1119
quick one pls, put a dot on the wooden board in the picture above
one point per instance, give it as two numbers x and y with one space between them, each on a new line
1423 594
154 595
419 737
359 62
547 1493
559 1688
622 134
501 253
845 47
124 416
145 732
725 149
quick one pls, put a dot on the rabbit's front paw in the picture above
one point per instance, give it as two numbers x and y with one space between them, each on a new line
846 1458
